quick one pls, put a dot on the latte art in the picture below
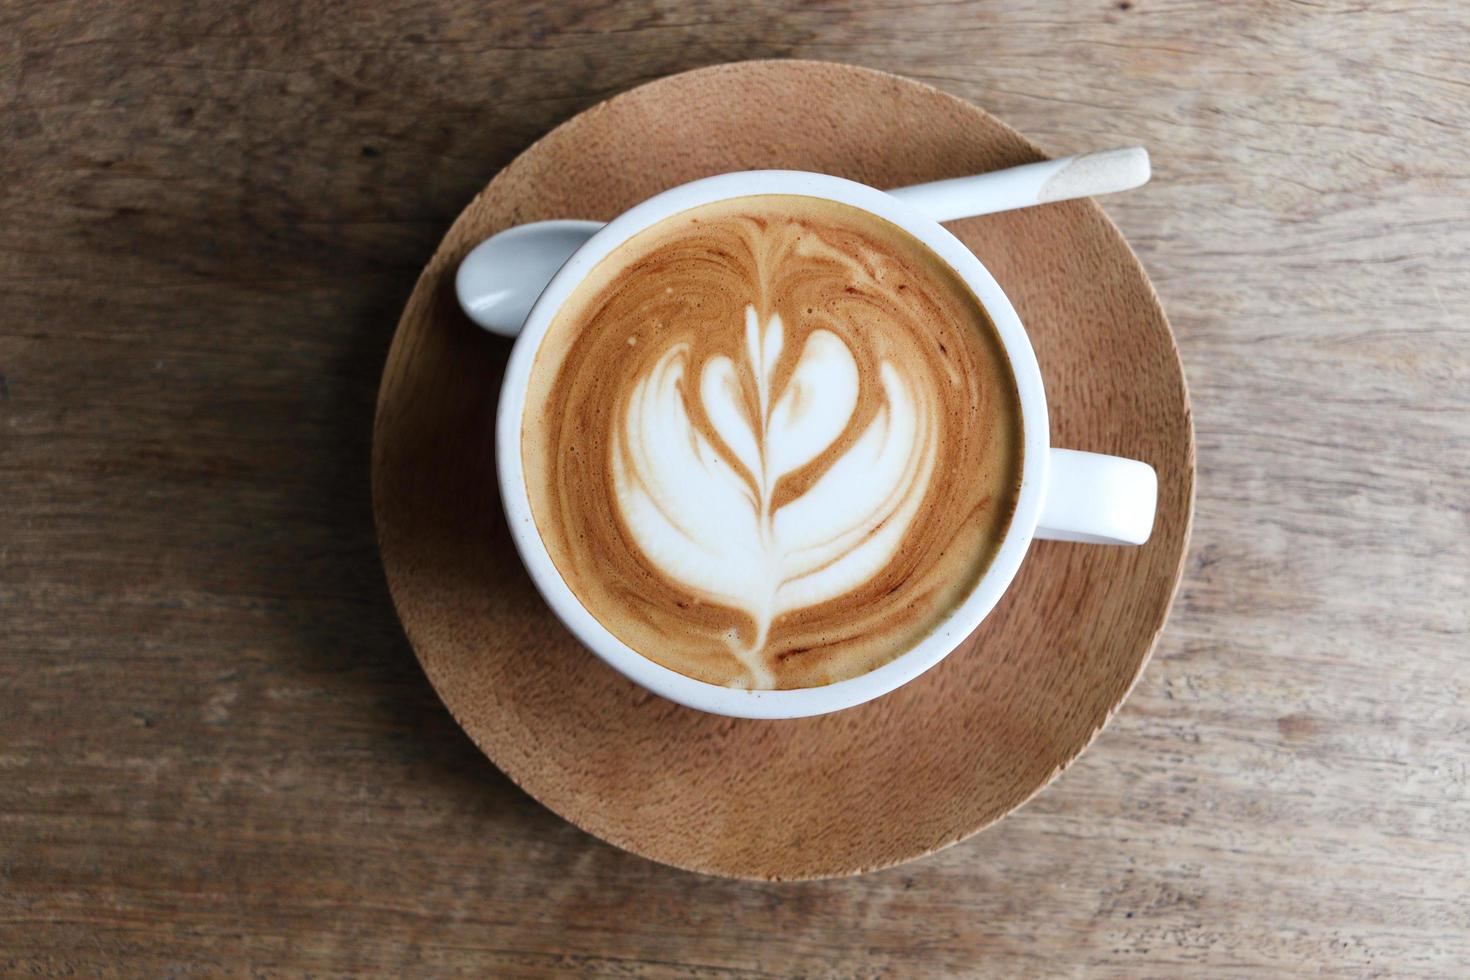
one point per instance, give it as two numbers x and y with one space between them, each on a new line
776 442
713 526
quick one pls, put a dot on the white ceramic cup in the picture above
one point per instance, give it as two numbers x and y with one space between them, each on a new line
1064 495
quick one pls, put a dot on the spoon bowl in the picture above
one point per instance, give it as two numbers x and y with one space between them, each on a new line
499 280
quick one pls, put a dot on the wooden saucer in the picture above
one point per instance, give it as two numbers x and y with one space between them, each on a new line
866 788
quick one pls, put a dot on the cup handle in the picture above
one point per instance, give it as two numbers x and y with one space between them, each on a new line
1097 499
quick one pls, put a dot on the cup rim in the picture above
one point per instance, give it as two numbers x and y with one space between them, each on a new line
962 620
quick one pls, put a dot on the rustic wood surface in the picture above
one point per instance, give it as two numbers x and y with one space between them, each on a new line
217 752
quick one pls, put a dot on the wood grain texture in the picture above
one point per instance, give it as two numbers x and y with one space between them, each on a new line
217 753
866 788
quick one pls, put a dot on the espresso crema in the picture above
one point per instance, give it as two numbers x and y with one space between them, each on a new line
772 442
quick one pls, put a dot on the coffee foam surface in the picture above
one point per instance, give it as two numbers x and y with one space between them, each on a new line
778 442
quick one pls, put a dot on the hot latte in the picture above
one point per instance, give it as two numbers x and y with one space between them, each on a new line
772 442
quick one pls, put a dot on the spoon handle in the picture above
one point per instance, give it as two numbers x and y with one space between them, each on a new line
1084 175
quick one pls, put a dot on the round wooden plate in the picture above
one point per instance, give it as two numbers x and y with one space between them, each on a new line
865 788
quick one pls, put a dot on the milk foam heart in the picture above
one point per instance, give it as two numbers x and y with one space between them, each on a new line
711 525
775 440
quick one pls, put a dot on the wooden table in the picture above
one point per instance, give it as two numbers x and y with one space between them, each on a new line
217 752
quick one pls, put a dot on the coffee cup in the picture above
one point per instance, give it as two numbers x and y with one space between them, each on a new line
1059 494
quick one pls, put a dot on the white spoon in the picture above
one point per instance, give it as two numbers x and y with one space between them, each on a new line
501 278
